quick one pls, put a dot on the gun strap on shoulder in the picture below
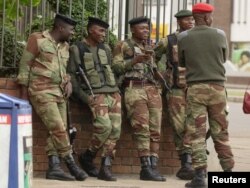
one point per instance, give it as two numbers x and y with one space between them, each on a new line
172 40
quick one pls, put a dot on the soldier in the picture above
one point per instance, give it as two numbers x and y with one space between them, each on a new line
91 59
206 95
133 60
176 100
42 75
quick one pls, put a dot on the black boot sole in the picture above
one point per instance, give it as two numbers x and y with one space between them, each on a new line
151 179
185 177
91 174
59 178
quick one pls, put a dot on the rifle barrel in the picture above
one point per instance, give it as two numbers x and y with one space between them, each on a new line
85 79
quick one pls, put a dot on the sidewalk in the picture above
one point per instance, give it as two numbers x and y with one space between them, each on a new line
241 150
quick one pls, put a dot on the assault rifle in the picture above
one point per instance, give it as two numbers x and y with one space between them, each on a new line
155 71
71 129
84 78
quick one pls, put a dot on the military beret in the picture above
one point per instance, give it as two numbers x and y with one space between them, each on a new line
138 20
202 8
65 19
97 21
183 13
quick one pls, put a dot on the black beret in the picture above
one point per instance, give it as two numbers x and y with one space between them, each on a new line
65 19
183 13
97 21
138 20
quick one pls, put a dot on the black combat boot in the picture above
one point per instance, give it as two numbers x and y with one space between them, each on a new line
105 170
146 170
74 170
86 162
55 172
186 171
154 162
199 179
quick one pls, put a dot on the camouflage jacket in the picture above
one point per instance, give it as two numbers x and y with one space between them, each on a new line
123 55
43 65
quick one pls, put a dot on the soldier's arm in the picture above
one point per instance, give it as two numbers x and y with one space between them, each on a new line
160 49
160 54
30 52
225 50
72 69
119 64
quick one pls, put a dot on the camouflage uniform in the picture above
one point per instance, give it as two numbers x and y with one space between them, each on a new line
176 100
198 101
142 97
43 70
106 108
206 95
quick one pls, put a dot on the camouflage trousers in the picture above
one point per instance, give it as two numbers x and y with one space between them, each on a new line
144 109
176 108
52 111
207 100
106 112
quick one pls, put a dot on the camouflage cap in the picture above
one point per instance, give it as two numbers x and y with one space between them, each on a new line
97 21
183 13
65 19
138 20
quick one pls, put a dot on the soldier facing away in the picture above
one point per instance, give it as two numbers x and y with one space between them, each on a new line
134 62
94 84
206 94
42 75
176 99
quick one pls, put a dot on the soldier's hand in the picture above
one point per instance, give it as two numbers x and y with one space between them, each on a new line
140 58
68 90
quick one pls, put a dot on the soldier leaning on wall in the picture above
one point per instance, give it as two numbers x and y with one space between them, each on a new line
134 61
44 81
94 84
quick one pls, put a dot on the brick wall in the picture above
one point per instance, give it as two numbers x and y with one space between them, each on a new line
223 17
126 160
